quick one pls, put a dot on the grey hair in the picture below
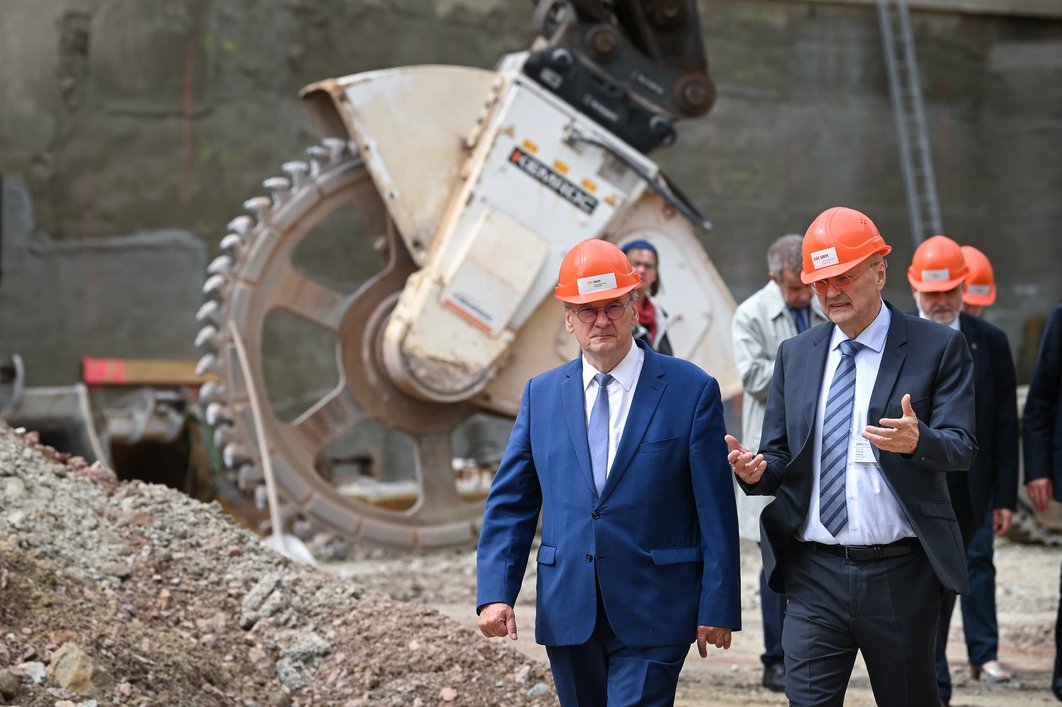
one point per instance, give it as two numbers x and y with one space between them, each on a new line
785 253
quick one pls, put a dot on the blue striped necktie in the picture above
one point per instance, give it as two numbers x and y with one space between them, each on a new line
836 427
597 431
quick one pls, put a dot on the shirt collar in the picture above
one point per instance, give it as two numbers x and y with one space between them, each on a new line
873 337
625 371
954 324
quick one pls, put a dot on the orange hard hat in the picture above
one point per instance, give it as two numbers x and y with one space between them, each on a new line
980 280
837 240
595 270
937 266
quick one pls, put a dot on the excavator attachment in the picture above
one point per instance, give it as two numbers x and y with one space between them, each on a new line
394 291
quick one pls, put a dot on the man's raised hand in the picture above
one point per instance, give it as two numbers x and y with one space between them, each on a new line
748 466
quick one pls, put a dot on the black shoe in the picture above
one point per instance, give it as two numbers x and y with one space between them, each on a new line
774 677
1056 676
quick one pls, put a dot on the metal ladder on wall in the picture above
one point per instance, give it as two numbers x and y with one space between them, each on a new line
916 160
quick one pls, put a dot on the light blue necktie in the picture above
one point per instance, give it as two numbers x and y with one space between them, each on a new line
836 427
597 431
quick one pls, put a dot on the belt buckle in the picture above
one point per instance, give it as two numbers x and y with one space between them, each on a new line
847 551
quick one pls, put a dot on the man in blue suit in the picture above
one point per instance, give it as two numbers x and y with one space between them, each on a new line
864 417
621 450
1043 445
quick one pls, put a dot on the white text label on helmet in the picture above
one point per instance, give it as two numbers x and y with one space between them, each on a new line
978 289
936 275
824 257
596 283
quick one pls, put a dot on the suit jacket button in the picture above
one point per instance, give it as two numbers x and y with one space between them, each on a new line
589 557
595 515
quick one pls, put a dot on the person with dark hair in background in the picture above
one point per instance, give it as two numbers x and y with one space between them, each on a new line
781 309
1042 445
652 319
864 417
988 492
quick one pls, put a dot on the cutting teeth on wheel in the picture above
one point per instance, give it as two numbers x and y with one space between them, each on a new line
232 246
208 365
223 434
235 455
218 414
216 287
221 265
260 274
260 206
209 312
211 392
207 338
279 190
319 159
336 147
297 172
244 227
249 477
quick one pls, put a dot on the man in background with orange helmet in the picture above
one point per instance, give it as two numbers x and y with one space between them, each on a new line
864 418
987 492
621 451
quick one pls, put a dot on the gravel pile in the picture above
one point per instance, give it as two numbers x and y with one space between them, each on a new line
135 594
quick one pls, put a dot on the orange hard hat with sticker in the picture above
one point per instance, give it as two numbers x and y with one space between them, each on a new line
980 280
593 271
837 240
937 265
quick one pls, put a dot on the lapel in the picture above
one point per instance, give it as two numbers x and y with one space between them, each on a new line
651 385
812 381
972 334
892 358
574 404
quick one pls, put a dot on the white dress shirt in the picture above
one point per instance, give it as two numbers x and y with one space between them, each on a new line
620 395
874 514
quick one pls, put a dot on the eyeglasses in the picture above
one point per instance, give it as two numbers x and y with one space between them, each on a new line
840 282
613 310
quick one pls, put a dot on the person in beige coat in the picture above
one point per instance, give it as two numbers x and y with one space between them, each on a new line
783 308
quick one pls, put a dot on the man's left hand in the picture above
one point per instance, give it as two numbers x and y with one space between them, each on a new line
1001 518
898 435
718 637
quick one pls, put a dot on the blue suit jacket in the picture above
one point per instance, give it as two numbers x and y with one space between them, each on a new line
927 360
661 541
1042 420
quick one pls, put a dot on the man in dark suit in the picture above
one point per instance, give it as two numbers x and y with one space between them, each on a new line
864 416
1043 445
937 276
622 452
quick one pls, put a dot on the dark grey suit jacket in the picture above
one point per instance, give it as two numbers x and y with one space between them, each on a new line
927 360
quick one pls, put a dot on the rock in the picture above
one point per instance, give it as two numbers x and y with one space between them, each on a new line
34 672
522 674
448 694
251 610
538 689
71 668
9 684
13 488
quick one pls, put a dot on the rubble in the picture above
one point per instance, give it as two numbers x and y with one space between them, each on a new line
135 594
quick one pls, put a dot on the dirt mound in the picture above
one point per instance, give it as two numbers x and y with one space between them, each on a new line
134 594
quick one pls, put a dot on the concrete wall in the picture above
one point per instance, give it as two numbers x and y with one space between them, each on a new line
120 117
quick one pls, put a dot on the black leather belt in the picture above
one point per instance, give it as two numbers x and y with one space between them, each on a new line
859 553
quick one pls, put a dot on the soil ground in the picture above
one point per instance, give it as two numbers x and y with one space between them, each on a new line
133 594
